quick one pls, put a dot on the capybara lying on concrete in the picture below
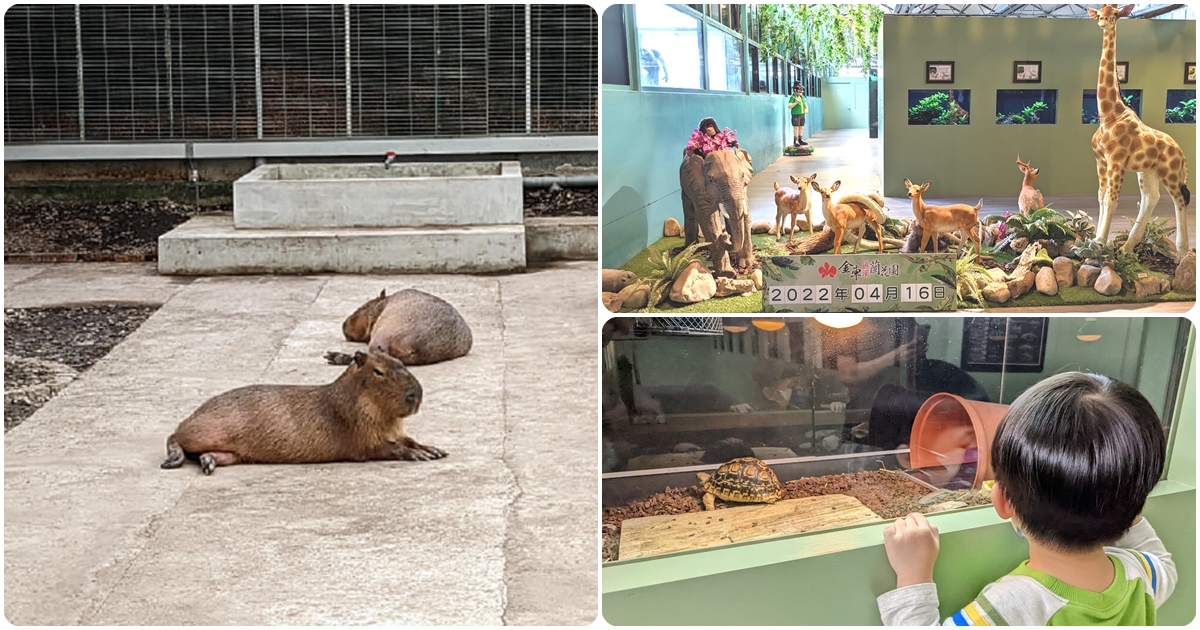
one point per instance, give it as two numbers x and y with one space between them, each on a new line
413 326
358 417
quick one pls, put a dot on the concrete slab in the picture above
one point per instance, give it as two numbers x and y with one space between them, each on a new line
209 244
320 196
86 283
502 531
561 238
15 274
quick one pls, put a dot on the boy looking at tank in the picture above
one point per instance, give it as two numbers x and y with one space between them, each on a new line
1075 457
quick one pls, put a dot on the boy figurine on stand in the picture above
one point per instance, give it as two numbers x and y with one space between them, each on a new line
799 108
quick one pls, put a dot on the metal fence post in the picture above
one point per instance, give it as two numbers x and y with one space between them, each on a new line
258 101
528 72
349 90
79 71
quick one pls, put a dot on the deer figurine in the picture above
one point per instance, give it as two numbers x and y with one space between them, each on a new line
1031 198
791 202
937 219
850 212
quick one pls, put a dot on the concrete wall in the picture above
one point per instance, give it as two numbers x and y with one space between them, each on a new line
845 103
642 139
978 159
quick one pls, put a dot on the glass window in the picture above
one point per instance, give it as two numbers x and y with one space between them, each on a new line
1026 107
939 107
1091 114
829 407
668 47
724 61
754 77
1181 106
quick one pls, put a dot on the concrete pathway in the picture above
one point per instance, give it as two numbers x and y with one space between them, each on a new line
501 532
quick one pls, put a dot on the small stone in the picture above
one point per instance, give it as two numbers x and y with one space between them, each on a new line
1064 272
1185 274
757 277
1045 281
611 301
934 497
635 295
694 284
671 227
729 286
1022 285
760 227
613 280
1019 244
946 505
1147 286
996 292
686 447
1050 246
830 442
1108 282
1068 249
1087 275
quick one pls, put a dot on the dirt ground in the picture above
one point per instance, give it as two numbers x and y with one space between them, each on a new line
887 494
59 340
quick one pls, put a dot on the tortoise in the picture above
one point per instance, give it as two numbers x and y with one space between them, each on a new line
745 480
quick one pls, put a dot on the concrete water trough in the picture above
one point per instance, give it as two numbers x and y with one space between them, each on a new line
302 196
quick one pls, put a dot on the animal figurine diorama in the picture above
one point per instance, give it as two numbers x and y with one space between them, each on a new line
413 326
358 417
792 202
1124 143
1030 198
715 205
744 480
935 220
850 212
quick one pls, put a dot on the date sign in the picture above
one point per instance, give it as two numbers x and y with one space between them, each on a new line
859 283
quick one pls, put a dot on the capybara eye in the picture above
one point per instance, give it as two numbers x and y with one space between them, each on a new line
412 397
378 372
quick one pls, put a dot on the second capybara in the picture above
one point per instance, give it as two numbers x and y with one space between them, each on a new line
358 417
413 326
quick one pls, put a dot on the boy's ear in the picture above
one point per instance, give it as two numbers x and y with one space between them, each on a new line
1000 502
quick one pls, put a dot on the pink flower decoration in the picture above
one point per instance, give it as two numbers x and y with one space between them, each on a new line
707 144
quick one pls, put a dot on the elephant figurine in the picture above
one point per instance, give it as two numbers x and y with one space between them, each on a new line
715 206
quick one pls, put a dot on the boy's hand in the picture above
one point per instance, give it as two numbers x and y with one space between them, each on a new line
912 547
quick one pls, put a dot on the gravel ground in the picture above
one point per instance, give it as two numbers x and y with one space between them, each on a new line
41 345
561 202
887 494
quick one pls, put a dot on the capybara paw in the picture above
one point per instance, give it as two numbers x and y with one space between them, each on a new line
208 463
434 452
419 453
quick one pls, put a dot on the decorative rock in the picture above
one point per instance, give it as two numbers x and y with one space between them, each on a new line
686 447
934 497
830 442
760 227
946 505
635 295
1019 244
1022 285
997 274
694 284
1064 272
757 278
1045 281
611 301
729 286
613 280
1185 274
996 292
1108 282
1068 249
1087 275
671 227
771 231
1050 246
1146 286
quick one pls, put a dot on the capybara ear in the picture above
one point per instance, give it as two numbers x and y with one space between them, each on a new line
383 293
360 358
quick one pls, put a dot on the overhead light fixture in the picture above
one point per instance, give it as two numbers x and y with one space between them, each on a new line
1087 332
769 325
839 320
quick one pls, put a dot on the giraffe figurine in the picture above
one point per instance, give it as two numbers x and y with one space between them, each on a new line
1124 143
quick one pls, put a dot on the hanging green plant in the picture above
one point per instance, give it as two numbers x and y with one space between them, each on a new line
823 37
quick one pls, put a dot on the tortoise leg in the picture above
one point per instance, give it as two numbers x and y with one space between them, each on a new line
709 501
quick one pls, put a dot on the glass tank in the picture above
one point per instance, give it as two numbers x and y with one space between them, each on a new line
939 107
1181 106
1091 112
858 419
1026 107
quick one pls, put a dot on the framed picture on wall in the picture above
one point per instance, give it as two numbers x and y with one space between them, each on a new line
1027 72
1014 344
939 72
1122 72
1189 72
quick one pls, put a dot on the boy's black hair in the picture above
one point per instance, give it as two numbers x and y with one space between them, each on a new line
1076 455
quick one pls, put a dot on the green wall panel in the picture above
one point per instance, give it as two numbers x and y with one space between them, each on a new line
978 159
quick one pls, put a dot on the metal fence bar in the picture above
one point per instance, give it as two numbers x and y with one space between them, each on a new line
79 69
528 71
258 90
349 85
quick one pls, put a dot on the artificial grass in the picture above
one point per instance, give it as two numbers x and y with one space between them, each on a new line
752 303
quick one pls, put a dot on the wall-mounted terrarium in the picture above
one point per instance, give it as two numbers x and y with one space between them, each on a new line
939 107
1091 111
855 424
1026 107
1181 106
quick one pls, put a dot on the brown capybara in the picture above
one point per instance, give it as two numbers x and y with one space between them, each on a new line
358 417
413 326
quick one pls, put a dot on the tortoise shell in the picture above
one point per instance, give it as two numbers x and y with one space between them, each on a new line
745 480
